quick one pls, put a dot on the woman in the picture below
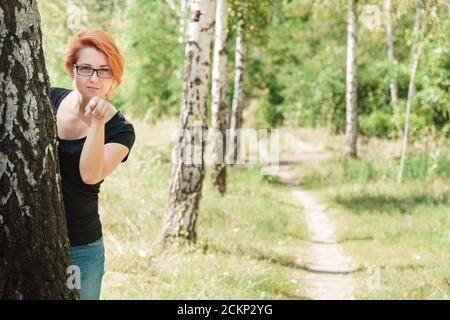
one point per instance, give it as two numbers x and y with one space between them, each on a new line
94 138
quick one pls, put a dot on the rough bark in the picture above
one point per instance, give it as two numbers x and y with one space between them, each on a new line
390 50
188 154
34 245
220 109
237 107
351 129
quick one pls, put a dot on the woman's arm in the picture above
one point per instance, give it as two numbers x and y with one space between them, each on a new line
98 160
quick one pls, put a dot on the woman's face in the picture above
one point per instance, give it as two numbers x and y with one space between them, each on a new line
90 86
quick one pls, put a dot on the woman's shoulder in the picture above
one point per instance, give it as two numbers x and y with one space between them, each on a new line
118 118
120 130
58 94
119 124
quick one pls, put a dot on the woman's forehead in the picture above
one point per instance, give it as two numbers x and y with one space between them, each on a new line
93 57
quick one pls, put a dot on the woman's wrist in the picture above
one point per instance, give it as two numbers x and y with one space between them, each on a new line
95 122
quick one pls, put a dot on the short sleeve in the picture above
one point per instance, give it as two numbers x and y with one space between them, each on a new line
123 133
57 95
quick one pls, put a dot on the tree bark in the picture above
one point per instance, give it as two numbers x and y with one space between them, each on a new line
188 154
220 109
237 107
417 46
390 51
351 130
34 245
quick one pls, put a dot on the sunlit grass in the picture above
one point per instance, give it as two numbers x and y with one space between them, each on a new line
247 240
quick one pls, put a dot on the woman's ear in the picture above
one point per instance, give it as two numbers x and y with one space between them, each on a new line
72 72
111 90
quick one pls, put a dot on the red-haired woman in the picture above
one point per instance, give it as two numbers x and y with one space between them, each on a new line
94 138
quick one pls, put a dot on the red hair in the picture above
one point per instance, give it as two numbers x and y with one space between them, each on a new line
103 42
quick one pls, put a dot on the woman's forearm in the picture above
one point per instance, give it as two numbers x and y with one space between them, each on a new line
92 155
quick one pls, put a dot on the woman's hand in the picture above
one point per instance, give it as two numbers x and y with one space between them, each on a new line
96 108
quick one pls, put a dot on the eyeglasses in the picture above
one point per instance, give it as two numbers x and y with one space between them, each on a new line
89 71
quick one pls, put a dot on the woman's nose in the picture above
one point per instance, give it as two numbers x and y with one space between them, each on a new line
94 77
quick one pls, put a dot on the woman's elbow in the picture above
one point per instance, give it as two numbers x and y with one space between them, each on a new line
89 179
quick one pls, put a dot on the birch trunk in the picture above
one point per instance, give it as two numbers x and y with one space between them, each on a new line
34 245
220 109
188 154
417 46
390 51
238 97
351 129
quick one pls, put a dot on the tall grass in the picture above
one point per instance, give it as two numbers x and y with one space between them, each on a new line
419 168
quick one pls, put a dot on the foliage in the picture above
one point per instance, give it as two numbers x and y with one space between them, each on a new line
155 59
303 66
296 59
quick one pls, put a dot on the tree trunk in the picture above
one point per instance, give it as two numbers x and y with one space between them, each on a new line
417 51
220 110
34 245
390 51
238 97
188 154
351 129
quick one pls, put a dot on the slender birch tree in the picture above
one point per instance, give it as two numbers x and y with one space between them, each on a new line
390 50
188 154
237 107
417 46
351 130
220 108
34 247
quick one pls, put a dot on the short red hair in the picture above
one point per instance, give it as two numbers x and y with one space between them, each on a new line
103 42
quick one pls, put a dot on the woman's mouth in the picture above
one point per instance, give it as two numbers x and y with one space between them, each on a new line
92 89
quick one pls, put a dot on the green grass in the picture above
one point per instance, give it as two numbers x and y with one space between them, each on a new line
399 234
247 241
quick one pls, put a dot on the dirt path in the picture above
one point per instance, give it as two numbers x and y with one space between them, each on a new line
329 270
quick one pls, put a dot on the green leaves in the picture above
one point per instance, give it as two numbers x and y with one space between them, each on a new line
295 59
302 64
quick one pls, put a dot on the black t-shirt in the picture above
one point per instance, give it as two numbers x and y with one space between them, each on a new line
80 199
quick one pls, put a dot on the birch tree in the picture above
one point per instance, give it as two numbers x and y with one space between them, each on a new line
351 130
417 46
34 245
237 106
390 50
188 154
220 109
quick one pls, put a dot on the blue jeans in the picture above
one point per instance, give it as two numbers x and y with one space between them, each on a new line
90 259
